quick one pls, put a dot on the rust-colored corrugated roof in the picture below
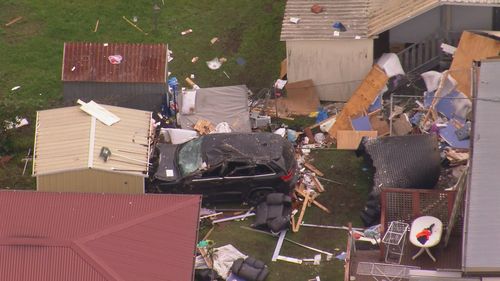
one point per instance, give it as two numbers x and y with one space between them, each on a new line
97 237
145 63
69 139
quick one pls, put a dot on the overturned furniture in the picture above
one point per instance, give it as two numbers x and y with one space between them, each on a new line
250 269
274 212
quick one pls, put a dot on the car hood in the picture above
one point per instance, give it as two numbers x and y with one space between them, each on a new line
167 169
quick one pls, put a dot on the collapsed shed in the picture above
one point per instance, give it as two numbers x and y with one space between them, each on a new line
128 75
68 144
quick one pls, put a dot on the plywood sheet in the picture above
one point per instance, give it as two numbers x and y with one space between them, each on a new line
301 99
283 68
362 98
347 139
379 124
472 47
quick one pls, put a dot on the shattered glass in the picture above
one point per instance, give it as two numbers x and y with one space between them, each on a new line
190 157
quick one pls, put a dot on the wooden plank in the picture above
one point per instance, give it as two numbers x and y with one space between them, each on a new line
319 185
472 47
313 169
277 250
305 194
379 124
283 68
302 211
99 112
351 139
13 21
362 98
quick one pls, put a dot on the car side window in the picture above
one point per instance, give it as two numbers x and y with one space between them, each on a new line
262 169
212 173
238 169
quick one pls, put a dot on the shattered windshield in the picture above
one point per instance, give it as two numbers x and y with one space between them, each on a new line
190 157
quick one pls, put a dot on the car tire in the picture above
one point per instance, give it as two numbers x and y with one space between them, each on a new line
257 196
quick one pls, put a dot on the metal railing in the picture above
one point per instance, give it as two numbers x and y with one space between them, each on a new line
421 56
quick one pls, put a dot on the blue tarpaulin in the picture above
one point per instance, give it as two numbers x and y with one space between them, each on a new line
362 124
448 134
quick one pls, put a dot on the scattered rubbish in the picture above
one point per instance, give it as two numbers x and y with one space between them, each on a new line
99 112
274 212
223 258
26 160
115 59
317 8
13 21
448 48
279 244
250 269
178 136
213 40
240 61
191 76
289 259
194 59
18 123
192 84
223 127
214 64
105 154
73 68
96 25
259 121
135 19
15 88
134 25
222 60
342 256
338 26
204 127
294 20
186 31
246 215
280 84
390 63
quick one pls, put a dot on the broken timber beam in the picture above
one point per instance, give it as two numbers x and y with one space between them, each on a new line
319 205
314 169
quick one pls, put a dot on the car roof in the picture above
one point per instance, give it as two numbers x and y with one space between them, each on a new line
241 146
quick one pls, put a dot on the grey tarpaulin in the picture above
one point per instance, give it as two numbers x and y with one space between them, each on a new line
220 104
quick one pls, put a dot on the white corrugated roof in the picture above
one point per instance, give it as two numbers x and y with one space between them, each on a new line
362 18
64 136
482 226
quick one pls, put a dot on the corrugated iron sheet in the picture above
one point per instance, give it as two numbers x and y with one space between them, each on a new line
145 63
481 254
363 18
64 136
97 237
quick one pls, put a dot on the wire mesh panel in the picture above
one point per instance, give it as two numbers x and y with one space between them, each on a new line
398 206
394 239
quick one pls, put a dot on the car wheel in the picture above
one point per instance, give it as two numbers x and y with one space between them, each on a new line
258 196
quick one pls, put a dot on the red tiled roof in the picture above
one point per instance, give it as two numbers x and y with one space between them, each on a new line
146 63
97 237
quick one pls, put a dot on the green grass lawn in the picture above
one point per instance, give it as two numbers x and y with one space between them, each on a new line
31 50
345 201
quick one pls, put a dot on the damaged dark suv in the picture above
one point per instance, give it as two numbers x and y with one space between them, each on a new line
226 167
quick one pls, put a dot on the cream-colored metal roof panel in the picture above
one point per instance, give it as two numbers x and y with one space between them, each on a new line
128 141
65 135
62 137
472 2
352 14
